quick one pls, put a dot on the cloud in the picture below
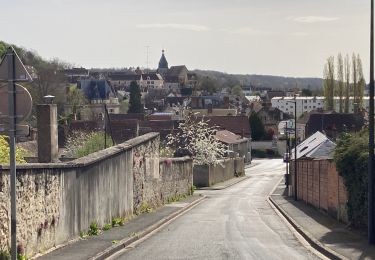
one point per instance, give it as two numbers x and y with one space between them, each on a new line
178 26
246 30
313 19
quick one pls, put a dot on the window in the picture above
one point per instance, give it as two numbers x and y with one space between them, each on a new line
305 107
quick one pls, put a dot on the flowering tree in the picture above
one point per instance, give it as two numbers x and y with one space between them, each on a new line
198 139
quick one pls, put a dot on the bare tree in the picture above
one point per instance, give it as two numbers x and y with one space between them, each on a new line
340 81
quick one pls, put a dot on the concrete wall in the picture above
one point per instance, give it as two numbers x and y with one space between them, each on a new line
57 201
319 184
208 175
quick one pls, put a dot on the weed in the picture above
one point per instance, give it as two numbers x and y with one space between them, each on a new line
94 230
192 189
83 234
144 208
107 227
115 241
4 254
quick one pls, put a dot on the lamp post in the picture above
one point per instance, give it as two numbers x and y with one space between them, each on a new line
371 218
295 147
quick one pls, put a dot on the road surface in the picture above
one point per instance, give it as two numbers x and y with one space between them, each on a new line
234 223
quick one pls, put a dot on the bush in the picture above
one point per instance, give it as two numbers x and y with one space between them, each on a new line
4 151
351 157
80 143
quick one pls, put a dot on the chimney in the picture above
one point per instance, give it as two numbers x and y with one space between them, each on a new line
226 102
47 133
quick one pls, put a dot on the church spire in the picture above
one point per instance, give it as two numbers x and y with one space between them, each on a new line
163 63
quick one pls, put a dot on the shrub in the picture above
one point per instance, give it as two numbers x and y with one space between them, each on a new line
81 143
4 151
94 230
351 157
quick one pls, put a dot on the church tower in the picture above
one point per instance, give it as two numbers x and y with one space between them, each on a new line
163 64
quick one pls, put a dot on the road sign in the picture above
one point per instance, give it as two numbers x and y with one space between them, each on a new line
23 104
21 130
20 72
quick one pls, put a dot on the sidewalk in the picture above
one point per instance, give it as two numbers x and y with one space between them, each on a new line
324 233
225 184
115 239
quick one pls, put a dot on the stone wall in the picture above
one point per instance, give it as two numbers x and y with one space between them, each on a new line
208 175
320 185
57 201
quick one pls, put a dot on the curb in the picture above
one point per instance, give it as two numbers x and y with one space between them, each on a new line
314 243
240 179
127 241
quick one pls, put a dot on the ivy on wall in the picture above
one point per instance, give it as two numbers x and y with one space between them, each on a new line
351 157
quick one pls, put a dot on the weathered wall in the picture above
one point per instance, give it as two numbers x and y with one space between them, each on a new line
319 184
57 201
208 175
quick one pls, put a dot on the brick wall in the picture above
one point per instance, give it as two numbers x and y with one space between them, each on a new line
319 184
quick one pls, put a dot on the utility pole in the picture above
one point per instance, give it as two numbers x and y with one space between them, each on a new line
295 148
371 226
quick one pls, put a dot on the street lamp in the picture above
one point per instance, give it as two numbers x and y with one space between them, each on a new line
371 218
295 146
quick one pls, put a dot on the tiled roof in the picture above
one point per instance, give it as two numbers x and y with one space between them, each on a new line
151 76
228 137
176 70
237 124
120 117
128 77
124 130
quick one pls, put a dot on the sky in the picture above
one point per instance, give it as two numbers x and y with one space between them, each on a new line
268 37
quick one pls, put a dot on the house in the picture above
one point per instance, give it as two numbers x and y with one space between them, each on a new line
271 117
76 74
177 78
317 146
122 80
238 125
98 93
235 143
331 123
308 104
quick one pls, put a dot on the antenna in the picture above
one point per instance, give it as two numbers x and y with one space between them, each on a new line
147 52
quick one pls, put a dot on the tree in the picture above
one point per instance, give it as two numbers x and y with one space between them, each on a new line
347 83
361 83
307 92
135 104
76 98
257 128
237 91
197 138
208 84
329 82
340 81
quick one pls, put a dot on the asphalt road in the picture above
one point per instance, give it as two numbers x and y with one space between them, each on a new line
234 223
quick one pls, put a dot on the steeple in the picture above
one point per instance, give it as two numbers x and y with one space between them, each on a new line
163 63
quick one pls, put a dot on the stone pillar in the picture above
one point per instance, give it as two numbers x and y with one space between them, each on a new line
47 133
